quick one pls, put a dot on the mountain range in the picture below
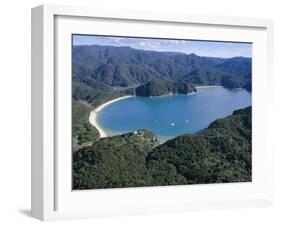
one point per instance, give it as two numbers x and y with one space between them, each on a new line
128 67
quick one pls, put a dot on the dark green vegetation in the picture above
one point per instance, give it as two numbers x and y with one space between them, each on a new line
127 67
82 132
117 161
87 94
103 73
163 87
220 153
95 92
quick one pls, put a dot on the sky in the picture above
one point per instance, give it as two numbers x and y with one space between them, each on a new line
200 48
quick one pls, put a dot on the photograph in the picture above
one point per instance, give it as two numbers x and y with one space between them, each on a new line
150 111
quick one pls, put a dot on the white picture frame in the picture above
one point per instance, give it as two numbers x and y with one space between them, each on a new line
52 198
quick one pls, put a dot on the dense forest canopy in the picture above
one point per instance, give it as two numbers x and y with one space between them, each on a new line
125 66
220 153
102 73
159 88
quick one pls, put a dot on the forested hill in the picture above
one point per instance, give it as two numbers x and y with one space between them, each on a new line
103 73
221 153
126 67
163 87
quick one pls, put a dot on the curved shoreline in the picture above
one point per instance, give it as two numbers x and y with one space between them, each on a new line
94 113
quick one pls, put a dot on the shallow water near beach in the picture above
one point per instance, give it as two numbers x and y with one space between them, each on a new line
171 116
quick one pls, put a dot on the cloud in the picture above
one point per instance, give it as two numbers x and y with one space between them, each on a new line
202 48
116 39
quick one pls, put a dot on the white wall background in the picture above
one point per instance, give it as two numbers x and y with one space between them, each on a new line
15 112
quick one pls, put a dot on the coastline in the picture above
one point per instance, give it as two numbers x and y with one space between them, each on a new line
171 94
94 113
202 87
191 93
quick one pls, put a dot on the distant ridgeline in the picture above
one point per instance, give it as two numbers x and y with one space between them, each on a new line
102 73
126 68
219 154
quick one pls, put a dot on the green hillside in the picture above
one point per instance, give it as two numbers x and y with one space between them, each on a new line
117 161
125 66
219 154
163 87
83 133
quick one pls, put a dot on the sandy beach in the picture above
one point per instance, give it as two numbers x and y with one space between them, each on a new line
93 115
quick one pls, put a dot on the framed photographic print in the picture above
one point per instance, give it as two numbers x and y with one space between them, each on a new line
138 113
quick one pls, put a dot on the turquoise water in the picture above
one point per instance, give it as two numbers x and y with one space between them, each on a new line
171 116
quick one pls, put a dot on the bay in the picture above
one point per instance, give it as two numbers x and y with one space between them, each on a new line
173 115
